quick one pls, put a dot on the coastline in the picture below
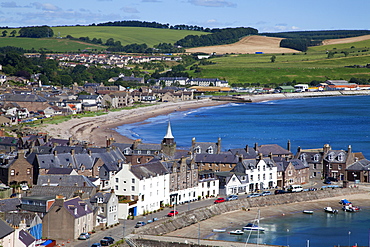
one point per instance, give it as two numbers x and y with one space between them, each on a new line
96 130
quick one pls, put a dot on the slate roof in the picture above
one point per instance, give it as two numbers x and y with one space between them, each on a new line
151 169
78 204
26 238
216 158
274 149
64 180
11 204
57 170
360 165
204 146
282 164
248 152
5 229
66 191
335 154
23 98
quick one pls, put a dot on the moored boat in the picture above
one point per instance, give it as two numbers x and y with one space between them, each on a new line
237 232
219 230
307 211
350 208
253 227
330 210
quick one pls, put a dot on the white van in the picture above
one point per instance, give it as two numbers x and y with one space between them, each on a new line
295 188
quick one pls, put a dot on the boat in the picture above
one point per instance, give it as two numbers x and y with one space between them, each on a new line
219 230
350 208
330 210
237 232
307 211
253 227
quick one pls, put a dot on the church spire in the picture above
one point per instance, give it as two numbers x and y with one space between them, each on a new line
169 132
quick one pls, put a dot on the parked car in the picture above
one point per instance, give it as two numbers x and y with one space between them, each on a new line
232 198
106 241
266 193
172 213
139 224
84 236
253 195
96 245
218 200
280 192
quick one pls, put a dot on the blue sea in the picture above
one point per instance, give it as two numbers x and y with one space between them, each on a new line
317 230
306 122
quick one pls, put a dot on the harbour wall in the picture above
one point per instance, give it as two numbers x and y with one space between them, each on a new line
194 216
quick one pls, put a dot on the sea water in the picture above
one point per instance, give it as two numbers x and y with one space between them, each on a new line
317 230
305 122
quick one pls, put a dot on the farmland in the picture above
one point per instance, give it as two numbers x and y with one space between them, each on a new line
302 67
126 35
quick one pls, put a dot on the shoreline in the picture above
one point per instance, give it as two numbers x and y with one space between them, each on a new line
96 130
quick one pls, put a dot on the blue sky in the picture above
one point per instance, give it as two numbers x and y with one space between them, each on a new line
264 15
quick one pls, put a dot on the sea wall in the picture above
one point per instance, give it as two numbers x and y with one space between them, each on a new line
196 215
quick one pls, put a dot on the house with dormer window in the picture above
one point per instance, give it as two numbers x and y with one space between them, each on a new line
205 147
106 204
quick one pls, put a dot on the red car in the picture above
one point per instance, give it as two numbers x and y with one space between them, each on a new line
173 213
218 200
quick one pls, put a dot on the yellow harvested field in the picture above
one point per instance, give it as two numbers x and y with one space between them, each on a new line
247 45
346 40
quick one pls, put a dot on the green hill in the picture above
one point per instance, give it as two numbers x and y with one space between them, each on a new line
126 35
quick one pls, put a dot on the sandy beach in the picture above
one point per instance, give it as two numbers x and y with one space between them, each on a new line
96 130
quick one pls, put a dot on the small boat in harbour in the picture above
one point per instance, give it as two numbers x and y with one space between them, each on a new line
219 230
331 210
237 232
350 208
253 227
307 211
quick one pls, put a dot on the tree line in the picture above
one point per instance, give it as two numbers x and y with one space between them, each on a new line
152 24
218 37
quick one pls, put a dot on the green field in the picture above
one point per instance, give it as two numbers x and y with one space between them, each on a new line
126 35
301 67
53 44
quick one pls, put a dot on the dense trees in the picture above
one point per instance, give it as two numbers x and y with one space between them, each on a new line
300 44
218 37
36 32
320 35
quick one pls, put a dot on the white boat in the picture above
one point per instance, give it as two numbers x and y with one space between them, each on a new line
330 210
307 211
253 227
350 208
219 230
237 232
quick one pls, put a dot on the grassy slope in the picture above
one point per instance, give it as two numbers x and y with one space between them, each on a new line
126 35
302 67
60 45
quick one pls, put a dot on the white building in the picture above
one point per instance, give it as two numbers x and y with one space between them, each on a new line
146 186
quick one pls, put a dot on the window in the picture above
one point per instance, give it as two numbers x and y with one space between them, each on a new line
264 168
138 160
341 157
197 150
116 187
210 150
132 188
133 180
270 175
264 176
314 166
251 177
339 167
12 172
316 157
138 151
28 171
